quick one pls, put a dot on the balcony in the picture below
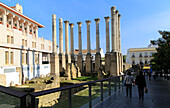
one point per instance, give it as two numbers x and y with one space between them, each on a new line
146 56
20 29
14 27
140 56
1 22
133 56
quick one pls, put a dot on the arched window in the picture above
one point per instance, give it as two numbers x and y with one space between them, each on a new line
146 54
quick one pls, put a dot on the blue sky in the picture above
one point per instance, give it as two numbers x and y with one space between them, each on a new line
140 21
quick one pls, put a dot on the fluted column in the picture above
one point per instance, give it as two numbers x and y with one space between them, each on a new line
107 34
60 36
88 56
88 37
119 16
53 32
79 37
66 37
72 42
113 28
117 32
97 36
107 55
79 59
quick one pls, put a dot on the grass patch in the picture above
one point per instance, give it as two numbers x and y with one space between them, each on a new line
86 78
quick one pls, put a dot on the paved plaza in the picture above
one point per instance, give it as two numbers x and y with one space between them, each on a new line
158 96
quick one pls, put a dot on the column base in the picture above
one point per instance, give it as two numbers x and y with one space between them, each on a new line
114 64
72 58
80 63
55 65
97 62
107 63
88 64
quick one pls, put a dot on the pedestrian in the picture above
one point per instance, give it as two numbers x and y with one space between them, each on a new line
141 83
128 81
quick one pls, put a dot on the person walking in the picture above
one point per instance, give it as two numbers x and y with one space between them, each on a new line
141 83
128 81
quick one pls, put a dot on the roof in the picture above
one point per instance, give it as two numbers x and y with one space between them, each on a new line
142 49
20 14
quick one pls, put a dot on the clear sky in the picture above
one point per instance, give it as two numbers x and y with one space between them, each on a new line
140 21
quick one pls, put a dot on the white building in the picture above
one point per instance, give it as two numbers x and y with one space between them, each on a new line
21 50
140 55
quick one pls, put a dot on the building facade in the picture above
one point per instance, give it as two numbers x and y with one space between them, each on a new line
140 55
24 55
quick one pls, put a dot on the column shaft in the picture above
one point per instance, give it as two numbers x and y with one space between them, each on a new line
66 37
107 35
79 37
113 28
61 36
97 36
53 32
72 38
88 37
119 32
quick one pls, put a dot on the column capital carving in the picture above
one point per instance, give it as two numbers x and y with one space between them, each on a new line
97 20
113 8
79 23
71 25
119 15
117 11
66 22
60 20
88 22
107 18
54 17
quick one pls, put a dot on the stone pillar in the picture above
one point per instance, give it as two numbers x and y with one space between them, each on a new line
79 59
36 31
88 56
60 36
107 55
113 64
97 55
113 28
53 33
72 42
66 37
117 32
61 44
119 16
54 56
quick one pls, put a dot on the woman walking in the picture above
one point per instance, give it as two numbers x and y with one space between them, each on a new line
141 83
128 81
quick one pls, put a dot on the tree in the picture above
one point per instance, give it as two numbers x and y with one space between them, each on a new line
161 60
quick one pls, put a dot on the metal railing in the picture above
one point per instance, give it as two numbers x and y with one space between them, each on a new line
15 93
69 88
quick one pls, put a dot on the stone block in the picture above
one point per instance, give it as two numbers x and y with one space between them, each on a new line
88 64
80 63
107 62
97 62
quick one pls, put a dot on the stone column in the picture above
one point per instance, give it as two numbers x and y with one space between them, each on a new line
88 56
5 19
36 31
97 55
107 55
60 36
67 59
119 16
54 58
61 44
79 59
113 28
72 42
66 37
53 32
117 32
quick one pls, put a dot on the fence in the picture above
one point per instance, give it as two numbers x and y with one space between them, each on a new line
118 82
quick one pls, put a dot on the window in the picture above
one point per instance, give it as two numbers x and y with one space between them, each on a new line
9 22
141 62
146 62
133 62
25 28
150 54
133 55
140 55
12 40
22 42
1 19
25 42
15 25
8 39
146 54
12 57
22 58
34 44
6 57
50 48
20 27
